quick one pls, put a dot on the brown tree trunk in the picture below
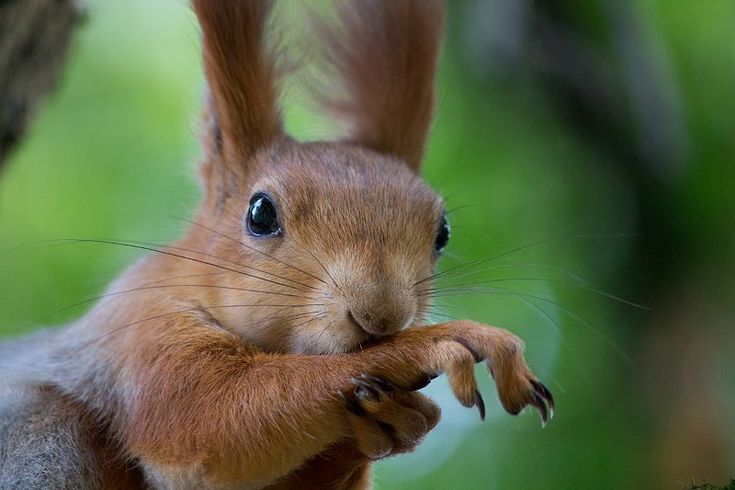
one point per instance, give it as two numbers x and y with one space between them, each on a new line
34 40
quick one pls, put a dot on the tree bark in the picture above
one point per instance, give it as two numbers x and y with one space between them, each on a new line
34 39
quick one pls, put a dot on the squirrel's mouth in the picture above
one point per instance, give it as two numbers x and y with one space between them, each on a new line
355 324
359 336
359 345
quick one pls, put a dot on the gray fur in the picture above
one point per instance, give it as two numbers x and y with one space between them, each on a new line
42 442
47 441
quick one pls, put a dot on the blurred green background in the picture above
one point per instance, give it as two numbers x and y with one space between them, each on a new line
606 126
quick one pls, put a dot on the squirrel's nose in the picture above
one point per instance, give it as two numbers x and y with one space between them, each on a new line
379 300
382 318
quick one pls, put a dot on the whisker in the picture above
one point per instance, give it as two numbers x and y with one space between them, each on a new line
423 318
457 287
273 321
149 283
431 310
545 314
322 332
318 316
612 344
553 323
443 305
238 264
518 249
240 242
531 265
319 262
186 310
563 309
187 276
132 244
170 286
557 327
315 318
314 334
32 246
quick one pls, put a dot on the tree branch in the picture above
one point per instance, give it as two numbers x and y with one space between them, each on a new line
34 40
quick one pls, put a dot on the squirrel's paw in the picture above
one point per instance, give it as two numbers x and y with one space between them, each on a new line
517 386
521 390
387 420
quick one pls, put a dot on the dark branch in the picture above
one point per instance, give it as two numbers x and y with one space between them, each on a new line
34 39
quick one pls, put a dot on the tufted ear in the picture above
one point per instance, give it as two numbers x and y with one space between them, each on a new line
385 52
242 114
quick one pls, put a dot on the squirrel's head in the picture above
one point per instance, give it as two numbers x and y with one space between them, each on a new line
325 245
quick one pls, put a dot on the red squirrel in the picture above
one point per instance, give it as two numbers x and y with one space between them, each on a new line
281 342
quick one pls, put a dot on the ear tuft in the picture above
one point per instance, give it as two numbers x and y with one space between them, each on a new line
242 116
385 52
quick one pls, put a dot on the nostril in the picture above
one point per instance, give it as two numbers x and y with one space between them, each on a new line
362 321
372 324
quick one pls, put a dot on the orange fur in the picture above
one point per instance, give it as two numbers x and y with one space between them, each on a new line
385 53
233 361
242 115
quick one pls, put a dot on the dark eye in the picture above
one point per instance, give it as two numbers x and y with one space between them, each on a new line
442 235
262 219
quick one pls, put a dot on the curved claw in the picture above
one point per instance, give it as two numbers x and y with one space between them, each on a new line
352 405
545 392
365 390
540 403
379 382
480 404
548 399
543 400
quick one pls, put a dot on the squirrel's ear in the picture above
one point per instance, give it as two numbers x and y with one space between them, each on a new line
242 115
385 52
